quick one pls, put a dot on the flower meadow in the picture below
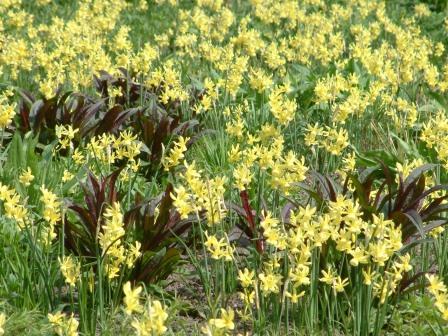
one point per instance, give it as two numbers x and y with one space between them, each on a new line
223 167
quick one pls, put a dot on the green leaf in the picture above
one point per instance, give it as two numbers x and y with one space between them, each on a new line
416 220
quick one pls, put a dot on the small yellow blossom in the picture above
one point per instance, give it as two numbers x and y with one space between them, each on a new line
26 177
225 321
131 299
2 323
70 269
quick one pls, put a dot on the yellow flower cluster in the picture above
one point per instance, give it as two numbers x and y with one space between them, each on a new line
151 317
333 140
264 151
108 149
63 325
110 240
282 109
209 97
65 135
239 51
222 325
260 81
51 214
219 249
438 289
26 177
168 80
14 206
70 269
72 51
68 51
7 110
347 64
369 246
435 233
434 134
176 153
132 299
201 195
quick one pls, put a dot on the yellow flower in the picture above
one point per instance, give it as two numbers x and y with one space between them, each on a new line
218 248
67 176
133 254
7 112
226 320
405 262
270 282
2 323
246 277
282 108
70 269
294 296
72 326
65 135
176 154
131 299
435 284
207 330
328 276
77 156
51 214
445 313
111 240
259 80
181 201
26 177
159 316
313 134
378 251
13 207
439 290
51 206
359 256
368 275
235 153
434 233
57 321
47 88
247 297
300 274
242 176
422 10
335 141
153 320
62 325
339 284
